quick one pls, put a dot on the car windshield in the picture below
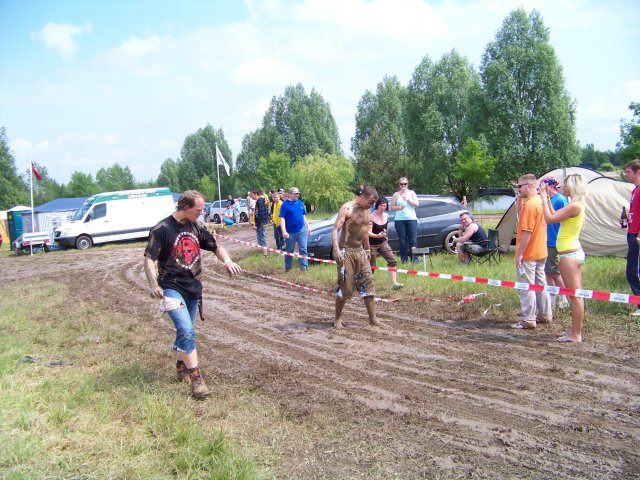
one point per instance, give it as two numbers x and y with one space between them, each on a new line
79 215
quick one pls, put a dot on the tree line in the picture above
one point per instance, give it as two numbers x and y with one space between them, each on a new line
452 130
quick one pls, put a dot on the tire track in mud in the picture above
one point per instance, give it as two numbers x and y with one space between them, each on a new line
461 397
340 373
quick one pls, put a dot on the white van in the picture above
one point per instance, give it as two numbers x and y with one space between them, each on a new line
116 216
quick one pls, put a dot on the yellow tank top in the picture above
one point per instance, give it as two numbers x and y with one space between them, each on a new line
570 231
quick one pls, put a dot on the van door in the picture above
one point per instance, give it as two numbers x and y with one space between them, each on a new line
97 223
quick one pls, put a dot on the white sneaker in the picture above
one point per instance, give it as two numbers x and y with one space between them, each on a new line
636 313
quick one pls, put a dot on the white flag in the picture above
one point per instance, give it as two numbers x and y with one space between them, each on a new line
221 161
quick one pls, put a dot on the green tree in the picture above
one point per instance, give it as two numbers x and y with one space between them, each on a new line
324 180
442 113
379 143
44 190
115 178
296 124
168 176
473 169
530 118
629 145
247 161
199 159
81 185
13 190
209 188
274 171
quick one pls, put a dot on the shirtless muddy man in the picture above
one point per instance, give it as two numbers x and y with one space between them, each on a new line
350 237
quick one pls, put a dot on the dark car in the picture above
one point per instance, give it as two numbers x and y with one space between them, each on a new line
438 223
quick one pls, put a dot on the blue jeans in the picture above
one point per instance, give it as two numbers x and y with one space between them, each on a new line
277 235
408 238
633 263
184 319
262 239
301 239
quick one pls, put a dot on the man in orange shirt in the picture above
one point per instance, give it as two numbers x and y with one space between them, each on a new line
531 255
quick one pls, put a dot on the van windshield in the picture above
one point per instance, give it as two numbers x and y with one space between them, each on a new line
79 215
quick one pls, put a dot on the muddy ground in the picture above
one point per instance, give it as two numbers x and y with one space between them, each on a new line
439 393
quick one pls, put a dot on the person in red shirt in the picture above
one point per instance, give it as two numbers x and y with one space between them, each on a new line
632 172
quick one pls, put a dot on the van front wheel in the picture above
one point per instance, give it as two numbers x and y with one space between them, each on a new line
83 242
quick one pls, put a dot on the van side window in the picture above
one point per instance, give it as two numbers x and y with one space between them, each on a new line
99 211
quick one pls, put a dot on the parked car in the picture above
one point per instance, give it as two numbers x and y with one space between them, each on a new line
219 207
438 223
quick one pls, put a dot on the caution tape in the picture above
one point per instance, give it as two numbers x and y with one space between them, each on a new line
571 292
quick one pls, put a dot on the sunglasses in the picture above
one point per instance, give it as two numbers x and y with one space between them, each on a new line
403 184
522 185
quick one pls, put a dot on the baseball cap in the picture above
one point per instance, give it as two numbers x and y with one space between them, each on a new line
550 181
294 190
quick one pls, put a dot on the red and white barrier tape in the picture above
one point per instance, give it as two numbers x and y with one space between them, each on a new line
571 292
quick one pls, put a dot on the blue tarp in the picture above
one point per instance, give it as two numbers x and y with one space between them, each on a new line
61 205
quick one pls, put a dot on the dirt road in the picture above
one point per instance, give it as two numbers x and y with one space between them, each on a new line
433 395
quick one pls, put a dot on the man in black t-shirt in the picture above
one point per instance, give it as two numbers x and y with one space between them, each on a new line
472 238
175 245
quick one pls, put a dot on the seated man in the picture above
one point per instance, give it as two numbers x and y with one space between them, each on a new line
472 239
229 217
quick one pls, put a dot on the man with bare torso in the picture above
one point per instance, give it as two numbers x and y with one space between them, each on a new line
350 237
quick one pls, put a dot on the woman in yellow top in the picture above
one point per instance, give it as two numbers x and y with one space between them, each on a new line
570 252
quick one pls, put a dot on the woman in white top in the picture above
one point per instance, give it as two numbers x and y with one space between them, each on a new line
405 202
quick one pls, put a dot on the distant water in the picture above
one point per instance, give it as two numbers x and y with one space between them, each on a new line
493 203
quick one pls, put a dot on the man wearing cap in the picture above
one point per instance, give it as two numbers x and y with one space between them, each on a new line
552 266
295 228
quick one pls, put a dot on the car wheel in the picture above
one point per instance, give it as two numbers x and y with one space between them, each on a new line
83 242
216 218
449 246
243 217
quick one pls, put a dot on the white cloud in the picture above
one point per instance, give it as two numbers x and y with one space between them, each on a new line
136 46
61 37
263 70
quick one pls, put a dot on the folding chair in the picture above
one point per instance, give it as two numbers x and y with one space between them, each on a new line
492 252
425 252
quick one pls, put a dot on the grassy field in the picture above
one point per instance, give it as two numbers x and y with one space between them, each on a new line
82 409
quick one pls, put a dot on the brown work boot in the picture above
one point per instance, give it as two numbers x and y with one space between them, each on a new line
182 372
198 387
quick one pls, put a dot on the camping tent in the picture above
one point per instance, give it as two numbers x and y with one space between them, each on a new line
605 197
51 215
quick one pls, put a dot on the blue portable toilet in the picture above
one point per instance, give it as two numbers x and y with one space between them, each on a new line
14 222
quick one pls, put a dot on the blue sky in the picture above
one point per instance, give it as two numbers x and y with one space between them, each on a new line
86 84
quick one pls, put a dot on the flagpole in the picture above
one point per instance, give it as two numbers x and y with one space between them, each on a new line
31 189
218 180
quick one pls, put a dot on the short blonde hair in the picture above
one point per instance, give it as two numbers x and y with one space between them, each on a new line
575 186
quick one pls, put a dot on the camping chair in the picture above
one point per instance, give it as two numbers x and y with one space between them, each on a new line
492 252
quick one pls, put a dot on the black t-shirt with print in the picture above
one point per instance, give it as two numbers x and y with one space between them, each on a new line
177 248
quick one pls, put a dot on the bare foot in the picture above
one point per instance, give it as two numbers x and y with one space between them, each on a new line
337 324
569 339
375 323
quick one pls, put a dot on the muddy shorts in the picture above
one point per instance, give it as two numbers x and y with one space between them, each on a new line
355 274
384 250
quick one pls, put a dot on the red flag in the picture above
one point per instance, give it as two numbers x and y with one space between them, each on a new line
36 172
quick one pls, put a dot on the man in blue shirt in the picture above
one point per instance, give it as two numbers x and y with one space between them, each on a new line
551 267
295 228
